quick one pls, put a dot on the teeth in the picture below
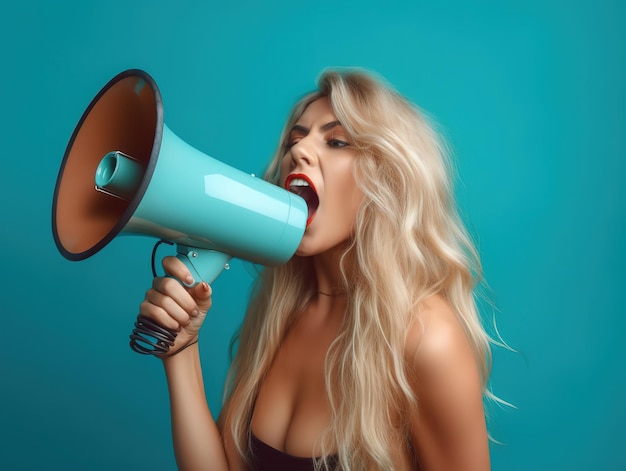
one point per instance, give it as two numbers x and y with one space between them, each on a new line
299 182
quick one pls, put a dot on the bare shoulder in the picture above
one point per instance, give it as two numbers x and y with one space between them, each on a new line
448 427
436 336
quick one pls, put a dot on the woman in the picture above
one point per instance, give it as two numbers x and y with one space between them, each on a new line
365 350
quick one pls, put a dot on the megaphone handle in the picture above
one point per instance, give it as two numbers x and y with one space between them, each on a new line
150 338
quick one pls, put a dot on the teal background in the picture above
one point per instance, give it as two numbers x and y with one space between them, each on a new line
531 96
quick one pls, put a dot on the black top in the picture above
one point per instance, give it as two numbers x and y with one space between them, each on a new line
266 458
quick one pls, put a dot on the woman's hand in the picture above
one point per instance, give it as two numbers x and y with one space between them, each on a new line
175 307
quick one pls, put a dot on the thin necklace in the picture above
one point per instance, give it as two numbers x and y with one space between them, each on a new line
331 294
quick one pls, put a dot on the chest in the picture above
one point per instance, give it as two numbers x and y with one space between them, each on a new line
292 408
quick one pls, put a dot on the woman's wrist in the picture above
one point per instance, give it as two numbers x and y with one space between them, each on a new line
183 369
180 349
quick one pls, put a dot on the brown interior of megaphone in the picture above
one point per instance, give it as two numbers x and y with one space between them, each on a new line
123 119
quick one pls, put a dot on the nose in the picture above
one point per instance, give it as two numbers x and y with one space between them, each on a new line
303 153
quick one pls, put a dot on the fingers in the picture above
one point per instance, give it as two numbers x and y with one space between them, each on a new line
167 308
176 268
172 306
202 296
201 293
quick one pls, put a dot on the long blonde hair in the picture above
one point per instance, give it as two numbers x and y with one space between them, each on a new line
408 244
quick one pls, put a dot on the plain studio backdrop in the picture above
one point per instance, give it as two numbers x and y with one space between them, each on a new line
531 98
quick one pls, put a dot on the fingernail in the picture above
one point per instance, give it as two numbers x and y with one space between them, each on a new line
189 279
195 313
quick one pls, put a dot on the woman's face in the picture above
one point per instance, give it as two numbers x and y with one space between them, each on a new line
318 165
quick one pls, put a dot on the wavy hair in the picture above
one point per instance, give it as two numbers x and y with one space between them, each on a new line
409 243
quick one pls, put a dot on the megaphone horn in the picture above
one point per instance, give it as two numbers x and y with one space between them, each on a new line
125 172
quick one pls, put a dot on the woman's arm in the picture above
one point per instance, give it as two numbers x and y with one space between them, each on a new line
448 428
198 444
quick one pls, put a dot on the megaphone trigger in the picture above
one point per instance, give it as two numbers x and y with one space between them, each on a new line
204 264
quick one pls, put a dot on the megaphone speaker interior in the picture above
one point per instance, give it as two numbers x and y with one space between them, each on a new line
125 172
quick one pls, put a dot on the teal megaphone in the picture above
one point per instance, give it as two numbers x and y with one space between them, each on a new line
125 172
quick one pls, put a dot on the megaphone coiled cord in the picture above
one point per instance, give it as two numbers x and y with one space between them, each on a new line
150 338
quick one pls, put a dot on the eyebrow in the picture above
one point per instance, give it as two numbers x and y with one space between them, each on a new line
324 128
328 126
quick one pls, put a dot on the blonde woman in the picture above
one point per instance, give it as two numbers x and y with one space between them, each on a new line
364 351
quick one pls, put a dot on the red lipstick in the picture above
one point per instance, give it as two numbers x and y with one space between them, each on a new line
301 185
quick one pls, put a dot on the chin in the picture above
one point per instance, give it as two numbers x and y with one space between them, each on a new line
303 252
307 249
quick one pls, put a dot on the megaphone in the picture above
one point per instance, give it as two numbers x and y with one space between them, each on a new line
125 173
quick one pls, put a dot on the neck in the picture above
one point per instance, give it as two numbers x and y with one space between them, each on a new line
328 273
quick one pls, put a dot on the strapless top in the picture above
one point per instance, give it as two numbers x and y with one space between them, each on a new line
263 457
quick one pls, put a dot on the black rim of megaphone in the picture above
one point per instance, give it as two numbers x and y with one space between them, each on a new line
143 186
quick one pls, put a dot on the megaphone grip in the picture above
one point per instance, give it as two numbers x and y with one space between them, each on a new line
150 338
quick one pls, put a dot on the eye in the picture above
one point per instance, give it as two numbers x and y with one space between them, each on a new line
337 143
291 142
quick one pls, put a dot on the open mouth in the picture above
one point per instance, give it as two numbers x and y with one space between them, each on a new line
300 185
